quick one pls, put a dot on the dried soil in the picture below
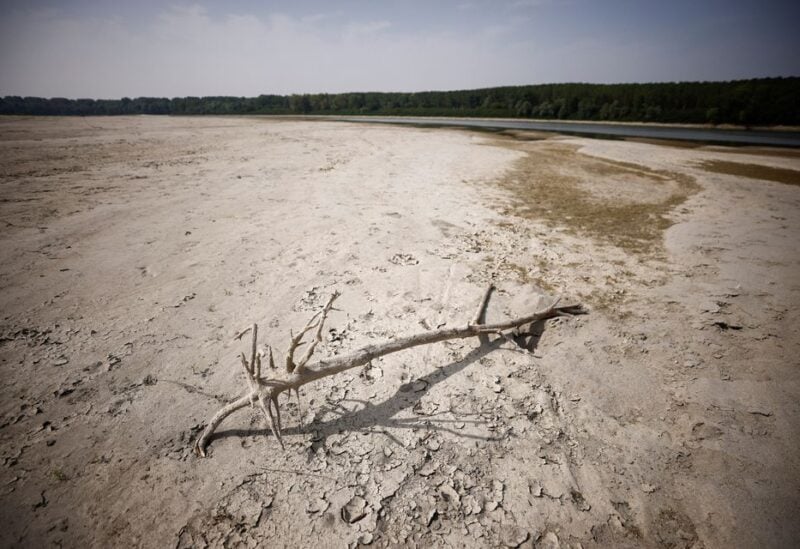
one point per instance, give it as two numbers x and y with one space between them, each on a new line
134 249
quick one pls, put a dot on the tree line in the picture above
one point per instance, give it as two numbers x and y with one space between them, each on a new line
762 101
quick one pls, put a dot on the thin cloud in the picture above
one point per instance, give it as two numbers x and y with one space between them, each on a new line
192 50
366 28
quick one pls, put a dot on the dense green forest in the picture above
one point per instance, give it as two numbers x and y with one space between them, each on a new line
765 101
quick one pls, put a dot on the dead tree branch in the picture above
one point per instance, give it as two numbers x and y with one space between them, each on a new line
265 391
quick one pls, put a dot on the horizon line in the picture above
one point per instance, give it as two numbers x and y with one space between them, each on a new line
576 83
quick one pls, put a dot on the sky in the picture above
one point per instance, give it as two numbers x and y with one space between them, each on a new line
112 49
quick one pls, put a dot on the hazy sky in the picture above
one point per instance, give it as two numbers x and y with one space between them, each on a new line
110 49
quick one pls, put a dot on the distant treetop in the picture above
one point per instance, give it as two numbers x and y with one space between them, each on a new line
763 101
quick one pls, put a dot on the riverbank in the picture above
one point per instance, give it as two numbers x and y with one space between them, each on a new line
719 135
135 248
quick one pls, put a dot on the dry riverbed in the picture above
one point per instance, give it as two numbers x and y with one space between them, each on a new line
134 249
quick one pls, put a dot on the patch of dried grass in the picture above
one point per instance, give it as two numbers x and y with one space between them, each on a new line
623 204
753 171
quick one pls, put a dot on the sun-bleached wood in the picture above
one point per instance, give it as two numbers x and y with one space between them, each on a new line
265 391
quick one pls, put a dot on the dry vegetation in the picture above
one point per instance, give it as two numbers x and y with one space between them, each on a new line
753 171
620 203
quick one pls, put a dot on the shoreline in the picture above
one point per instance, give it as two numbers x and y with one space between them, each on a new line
367 117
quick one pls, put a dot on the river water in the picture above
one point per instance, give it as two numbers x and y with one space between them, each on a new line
598 129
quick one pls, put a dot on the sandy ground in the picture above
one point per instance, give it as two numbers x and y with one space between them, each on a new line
134 249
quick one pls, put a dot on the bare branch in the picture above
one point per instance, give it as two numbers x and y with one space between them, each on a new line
267 391
246 365
254 350
296 341
228 409
275 426
277 432
481 313
318 335
241 334
333 366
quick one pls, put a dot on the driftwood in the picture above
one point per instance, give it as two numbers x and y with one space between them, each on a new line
264 391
